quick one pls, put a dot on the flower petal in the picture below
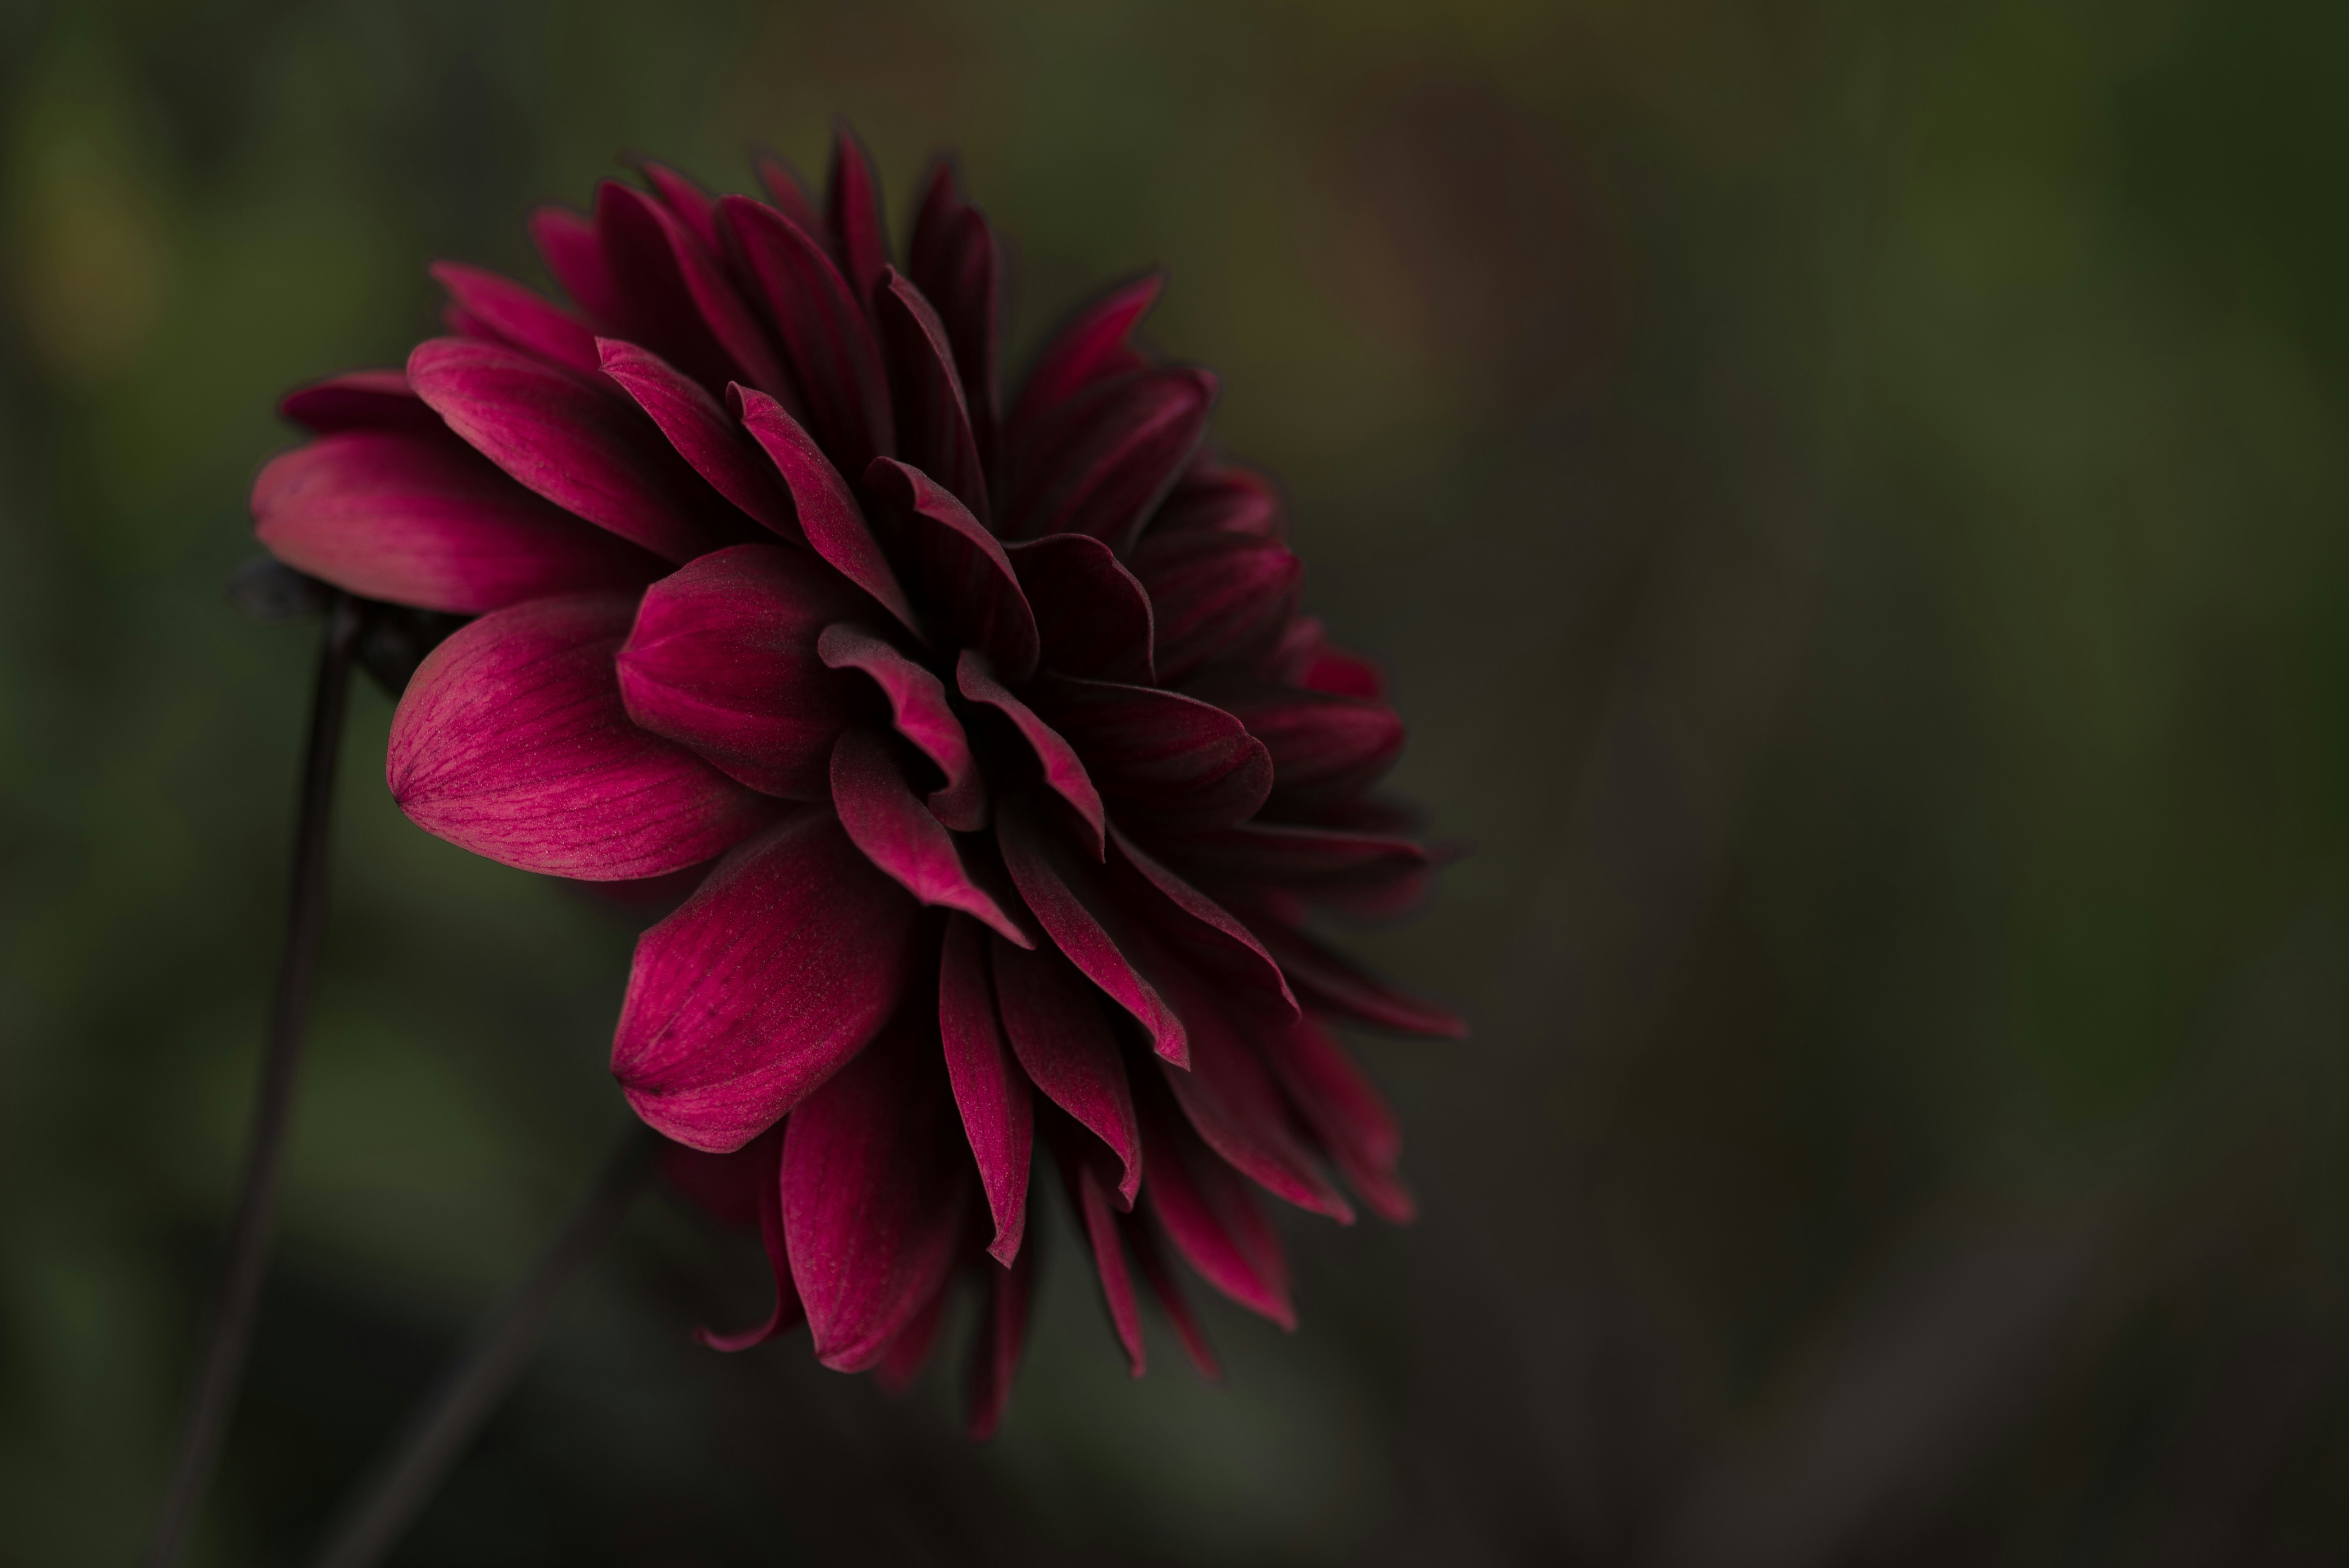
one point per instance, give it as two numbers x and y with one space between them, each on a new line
360 400
567 243
828 343
686 200
1325 747
1064 770
875 1189
1104 460
997 1106
901 1364
917 703
853 209
1369 874
578 446
760 1161
1142 1233
789 193
1173 758
1218 597
1346 1112
1216 498
955 263
934 426
1204 928
1333 983
723 657
679 302
1065 896
1090 345
966 579
1089 1197
889 823
785 963
1306 657
1207 1210
518 317
1057 1030
421 518
1002 1333
1093 615
511 742
828 514
700 430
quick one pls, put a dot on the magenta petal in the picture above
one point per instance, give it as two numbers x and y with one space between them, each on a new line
700 429
568 243
1093 615
724 658
1064 895
789 193
1089 1196
853 209
566 439
1218 597
422 519
1324 748
687 202
963 568
360 400
1210 932
784 963
1306 657
1213 497
1371 873
517 315
1092 345
759 1160
1177 758
875 1191
1064 770
828 342
829 517
511 742
901 1364
998 1107
1002 1333
1108 457
897 833
1166 1286
954 261
1065 1045
679 302
917 702
1335 984
934 427
1346 1112
1209 1213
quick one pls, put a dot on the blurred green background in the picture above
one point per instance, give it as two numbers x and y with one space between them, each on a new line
1852 497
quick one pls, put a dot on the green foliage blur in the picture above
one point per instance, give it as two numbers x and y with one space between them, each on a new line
1852 499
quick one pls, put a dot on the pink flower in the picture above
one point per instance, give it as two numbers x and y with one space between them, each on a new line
1008 771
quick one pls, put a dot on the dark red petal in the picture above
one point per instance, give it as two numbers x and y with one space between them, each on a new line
1213 497
1172 758
511 742
1089 1196
902 1363
729 1186
1306 657
1218 597
421 518
686 200
784 963
1209 931
1103 461
954 261
1064 771
968 580
1142 1233
360 400
1093 615
760 1161
1065 896
702 430
897 833
1369 873
1345 1111
1002 1333
517 315
1332 982
852 209
567 243
679 300
829 346
724 658
998 1107
1324 748
1207 1210
1092 345
875 1191
934 427
579 446
1056 1028
829 517
917 701
789 193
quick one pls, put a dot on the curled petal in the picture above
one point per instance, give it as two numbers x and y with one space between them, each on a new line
360 400
785 963
1175 758
829 517
1002 1333
934 426
1066 898
517 315
828 343
1207 1209
1064 770
511 741
1348 1115
723 657
1220 598
1064 1044
1090 347
897 833
700 430
1093 615
918 706
758 1162
997 1106
962 567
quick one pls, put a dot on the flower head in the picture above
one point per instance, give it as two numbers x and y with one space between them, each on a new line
1006 773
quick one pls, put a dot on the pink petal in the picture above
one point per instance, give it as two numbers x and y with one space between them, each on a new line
1064 895
917 703
853 209
581 447
828 343
1214 497
422 519
875 1191
998 1107
760 1161
1090 346
1002 1333
1218 597
511 742
517 315
1105 460
1057 1030
724 658
687 202
954 261
1089 1196
968 579
1064 771
567 243
934 426
1093 615
1205 929
788 959
897 833
829 517
1173 758
901 1364
679 300
789 193
1334 984
360 400
702 432
1167 1286
1346 1112
1209 1213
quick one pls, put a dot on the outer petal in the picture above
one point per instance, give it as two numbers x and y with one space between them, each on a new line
1345 1111
1142 1234
853 209
1371 874
1204 928
1324 748
1002 1333
828 342
677 301
421 518
1208 1213
1065 1045
1219 597
517 315
1064 770
511 741
1062 893
567 243
954 261
967 580
889 823
702 432
789 193
1090 345
784 963
579 447
686 200
1092 613
360 400
1333 983
997 1106
876 1193
934 426
1177 758
918 706
724 658
901 1364
760 1161
1089 1197
1108 457
1214 497
829 516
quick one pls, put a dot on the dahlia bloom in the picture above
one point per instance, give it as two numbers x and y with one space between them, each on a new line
1006 774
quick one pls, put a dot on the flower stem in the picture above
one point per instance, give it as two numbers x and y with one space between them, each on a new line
222 1365
470 1391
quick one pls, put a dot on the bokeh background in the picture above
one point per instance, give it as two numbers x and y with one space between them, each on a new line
1852 499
